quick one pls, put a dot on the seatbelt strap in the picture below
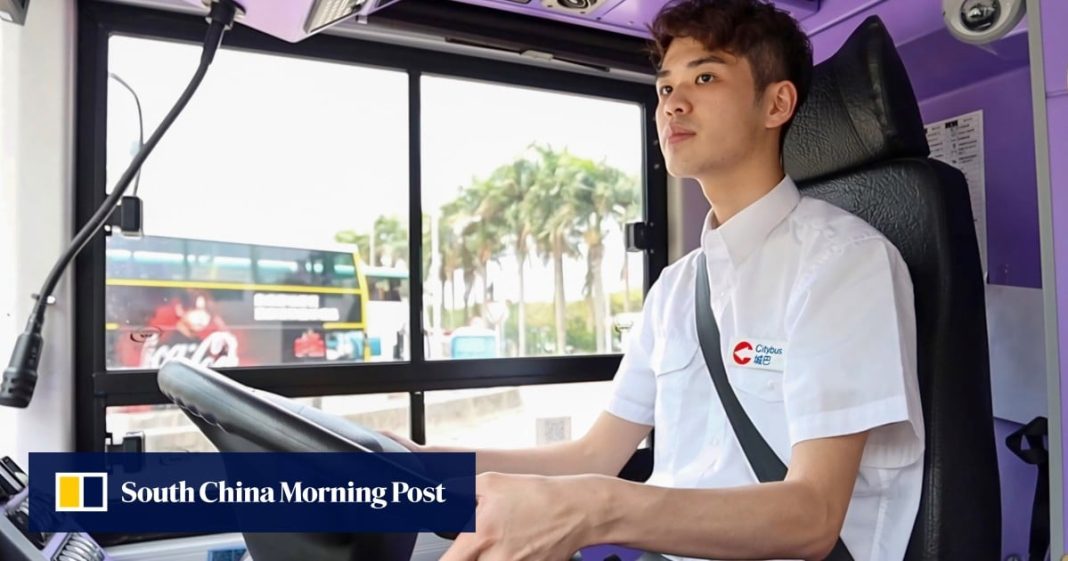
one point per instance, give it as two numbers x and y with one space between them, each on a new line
765 463
1037 455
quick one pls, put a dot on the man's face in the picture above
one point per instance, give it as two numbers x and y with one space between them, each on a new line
708 116
197 318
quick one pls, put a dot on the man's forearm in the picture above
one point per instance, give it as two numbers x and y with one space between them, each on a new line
784 520
562 458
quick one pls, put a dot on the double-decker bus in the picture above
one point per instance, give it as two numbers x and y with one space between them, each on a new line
388 305
232 304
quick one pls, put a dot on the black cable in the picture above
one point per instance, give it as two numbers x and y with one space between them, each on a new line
20 377
140 124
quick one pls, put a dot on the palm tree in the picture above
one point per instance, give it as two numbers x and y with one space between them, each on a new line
361 241
458 255
504 203
451 255
390 240
483 233
631 215
556 200
479 238
602 196
552 214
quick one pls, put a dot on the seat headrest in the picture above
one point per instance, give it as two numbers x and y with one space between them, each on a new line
860 109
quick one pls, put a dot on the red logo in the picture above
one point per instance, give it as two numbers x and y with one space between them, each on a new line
740 347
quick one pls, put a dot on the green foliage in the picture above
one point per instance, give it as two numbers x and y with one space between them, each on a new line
548 205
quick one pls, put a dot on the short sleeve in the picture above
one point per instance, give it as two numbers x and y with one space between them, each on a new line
633 395
851 360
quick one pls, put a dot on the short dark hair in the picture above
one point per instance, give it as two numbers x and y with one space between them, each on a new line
769 38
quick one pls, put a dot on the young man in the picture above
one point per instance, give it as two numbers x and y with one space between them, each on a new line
823 298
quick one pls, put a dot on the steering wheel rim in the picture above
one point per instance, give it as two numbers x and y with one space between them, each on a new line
246 412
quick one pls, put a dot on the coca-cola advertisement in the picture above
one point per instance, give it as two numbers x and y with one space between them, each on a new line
220 328
226 304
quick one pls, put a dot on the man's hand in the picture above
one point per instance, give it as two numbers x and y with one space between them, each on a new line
404 441
525 518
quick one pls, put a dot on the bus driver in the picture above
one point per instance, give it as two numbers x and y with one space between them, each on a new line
840 405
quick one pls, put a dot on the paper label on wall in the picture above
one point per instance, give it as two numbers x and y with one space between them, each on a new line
553 429
959 143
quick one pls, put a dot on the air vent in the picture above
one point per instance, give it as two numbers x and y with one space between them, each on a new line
579 7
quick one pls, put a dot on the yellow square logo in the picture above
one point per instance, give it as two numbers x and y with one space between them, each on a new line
81 492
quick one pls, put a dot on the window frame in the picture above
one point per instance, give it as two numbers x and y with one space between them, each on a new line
96 388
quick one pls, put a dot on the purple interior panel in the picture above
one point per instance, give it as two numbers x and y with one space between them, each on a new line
600 552
1013 251
636 14
939 63
906 19
1055 52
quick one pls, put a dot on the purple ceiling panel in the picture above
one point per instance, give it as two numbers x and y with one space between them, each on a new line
637 14
633 14
938 63
622 16
906 20
592 18
834 20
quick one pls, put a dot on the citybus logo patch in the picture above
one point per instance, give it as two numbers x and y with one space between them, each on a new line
758 354
743 353
81 492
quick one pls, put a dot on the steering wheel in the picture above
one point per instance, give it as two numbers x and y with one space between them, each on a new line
237 418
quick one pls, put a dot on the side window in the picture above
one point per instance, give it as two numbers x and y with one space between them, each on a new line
291 258
168 429
254 260
514 417
523 232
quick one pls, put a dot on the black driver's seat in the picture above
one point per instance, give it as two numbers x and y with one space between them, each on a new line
860 144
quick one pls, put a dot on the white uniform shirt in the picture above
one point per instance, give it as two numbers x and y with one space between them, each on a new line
817 324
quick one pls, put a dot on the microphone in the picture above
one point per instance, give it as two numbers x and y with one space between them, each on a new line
20 377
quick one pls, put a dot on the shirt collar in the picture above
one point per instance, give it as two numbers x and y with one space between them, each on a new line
747 230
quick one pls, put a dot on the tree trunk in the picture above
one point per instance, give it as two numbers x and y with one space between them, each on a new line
371 253
452 302
469 285
558 299
521 320
600 322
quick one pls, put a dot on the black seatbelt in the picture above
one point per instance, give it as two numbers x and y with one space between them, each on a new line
1037 455
765 463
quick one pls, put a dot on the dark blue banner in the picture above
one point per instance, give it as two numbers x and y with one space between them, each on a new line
252 492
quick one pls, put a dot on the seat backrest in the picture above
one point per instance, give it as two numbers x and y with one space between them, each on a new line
858 142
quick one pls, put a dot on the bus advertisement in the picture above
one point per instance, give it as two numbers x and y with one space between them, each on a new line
229 304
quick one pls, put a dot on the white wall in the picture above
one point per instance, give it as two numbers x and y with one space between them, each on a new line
7 245
36 195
